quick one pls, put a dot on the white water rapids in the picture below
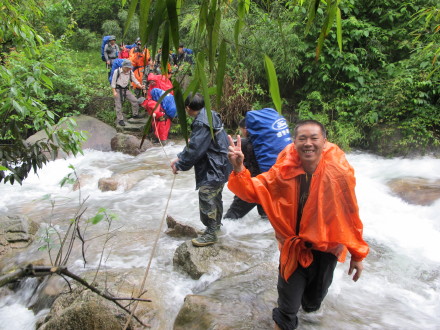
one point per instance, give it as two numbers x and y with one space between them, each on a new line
399 288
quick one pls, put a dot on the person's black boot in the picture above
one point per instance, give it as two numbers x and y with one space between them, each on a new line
209 237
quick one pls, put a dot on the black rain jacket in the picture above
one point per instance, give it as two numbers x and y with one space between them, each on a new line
208 156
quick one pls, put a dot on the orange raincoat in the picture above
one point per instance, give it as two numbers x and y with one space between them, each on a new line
330 219
139 60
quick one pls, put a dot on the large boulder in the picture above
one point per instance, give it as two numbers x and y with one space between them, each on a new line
83 309
98 133
129 144
16 232
197 261
416 190
240 301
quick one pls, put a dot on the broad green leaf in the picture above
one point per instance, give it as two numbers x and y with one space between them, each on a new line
174 22
221 68
2 168
273 83
97 218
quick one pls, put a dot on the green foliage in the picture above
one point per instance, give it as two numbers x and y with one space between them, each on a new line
83 39
111 27
24 80
90 14
57 16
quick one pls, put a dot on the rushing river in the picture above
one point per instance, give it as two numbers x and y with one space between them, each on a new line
399 288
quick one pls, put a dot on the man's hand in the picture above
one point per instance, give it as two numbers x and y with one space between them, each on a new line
173 165
235 155
358 266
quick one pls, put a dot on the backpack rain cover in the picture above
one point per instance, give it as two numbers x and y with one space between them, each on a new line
269 134
168 103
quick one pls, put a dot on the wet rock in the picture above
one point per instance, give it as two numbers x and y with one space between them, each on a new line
108 184
241 301
417 191
129 144
197 261
16 232
177 229
82 309
98 134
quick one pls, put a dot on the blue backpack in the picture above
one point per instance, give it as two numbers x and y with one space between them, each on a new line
168 103
188 51
105 40
269 134
117 63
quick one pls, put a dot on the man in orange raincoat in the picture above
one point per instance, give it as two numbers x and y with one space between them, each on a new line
140 58
309 198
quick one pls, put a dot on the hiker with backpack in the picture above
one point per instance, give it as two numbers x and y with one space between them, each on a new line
120 85
140 58
110 50
161 124
125 52
184 55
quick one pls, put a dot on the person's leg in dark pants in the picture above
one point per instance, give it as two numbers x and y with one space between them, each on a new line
211 208
306 287
239 208
317 288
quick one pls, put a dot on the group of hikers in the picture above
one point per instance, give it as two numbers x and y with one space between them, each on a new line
132 66
302 184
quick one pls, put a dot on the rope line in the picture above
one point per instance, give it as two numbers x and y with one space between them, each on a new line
153 252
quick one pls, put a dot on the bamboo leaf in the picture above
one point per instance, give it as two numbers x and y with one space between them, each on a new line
143 19
174 21
339 28
321 38
203 16
221 68
273 83
131 11
214 39
205 90
181 113
313 7
146 130
46 80
155 23
331 17
165 48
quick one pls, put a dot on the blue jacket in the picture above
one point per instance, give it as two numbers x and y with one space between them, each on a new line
208 156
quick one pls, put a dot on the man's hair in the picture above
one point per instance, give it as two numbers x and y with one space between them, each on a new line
195 102
242 123
307 122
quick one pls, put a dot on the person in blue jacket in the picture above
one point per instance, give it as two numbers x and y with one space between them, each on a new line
209 156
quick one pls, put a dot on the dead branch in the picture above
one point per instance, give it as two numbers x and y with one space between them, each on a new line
40 271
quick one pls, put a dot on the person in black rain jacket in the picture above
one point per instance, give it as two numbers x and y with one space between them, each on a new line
209 156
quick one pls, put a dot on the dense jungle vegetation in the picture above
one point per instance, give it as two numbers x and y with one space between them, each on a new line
368 70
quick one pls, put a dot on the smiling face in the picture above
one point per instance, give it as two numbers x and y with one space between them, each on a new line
309 142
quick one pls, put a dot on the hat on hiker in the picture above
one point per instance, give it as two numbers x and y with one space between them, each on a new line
127 64
112 38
